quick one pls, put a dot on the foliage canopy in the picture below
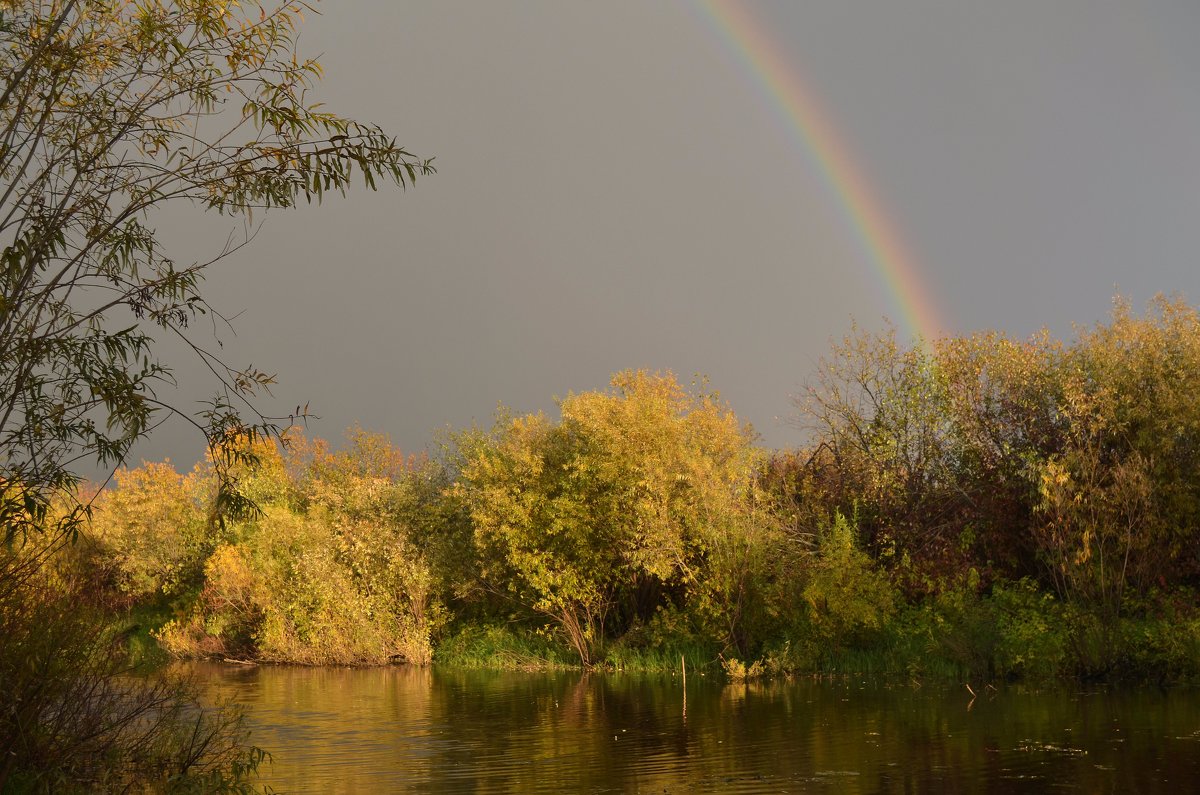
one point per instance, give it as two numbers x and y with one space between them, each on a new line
109 110
613 508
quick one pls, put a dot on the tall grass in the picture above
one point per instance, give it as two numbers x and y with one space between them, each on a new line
503 648
661 659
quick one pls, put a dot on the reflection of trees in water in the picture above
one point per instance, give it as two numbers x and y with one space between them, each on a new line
498 728
342 730
537 731
335 730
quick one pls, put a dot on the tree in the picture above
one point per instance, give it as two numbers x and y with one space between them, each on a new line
882 443
109 110
1119 496
931 447
598 519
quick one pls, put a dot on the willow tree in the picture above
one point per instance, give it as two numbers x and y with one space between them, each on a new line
110 110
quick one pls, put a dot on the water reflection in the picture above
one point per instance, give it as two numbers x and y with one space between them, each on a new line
409 729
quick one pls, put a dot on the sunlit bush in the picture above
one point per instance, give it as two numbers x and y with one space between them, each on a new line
153 529
332 578
299 590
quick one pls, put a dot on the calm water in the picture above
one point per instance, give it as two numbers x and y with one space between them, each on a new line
401 730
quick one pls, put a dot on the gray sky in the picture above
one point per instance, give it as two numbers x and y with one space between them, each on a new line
615 190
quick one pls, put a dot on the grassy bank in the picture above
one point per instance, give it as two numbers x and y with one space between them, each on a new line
1014 633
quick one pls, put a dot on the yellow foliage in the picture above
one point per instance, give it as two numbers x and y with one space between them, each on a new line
327 575
634 485
154 527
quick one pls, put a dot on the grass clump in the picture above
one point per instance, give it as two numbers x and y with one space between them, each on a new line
502 648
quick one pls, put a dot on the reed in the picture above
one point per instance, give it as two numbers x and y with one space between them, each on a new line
502 648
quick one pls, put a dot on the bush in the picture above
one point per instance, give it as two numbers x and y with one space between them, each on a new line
1033 632
153 530
76 718
661 643
501 647
301 589
850 599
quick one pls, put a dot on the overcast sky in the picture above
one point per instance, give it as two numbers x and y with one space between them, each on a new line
615 190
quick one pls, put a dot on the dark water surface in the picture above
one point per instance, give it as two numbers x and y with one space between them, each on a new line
420 730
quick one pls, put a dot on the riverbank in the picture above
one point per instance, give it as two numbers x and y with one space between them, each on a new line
1014 634
975 509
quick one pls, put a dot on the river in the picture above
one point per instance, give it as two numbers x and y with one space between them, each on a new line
337 730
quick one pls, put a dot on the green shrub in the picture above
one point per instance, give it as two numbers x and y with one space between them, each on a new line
1034 639
662 644
849 598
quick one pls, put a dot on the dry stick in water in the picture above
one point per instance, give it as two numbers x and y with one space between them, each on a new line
683 665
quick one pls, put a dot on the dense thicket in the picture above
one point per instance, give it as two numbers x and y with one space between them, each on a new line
981 506
1072 464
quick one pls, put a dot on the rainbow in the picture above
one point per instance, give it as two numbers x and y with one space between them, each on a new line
874 233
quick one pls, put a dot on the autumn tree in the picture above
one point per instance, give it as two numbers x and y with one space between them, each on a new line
881 445
1119 498
598 519
1002 401
1074 462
